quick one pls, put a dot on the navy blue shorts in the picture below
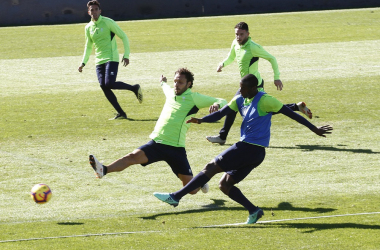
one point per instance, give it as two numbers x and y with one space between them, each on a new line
240 159
176 157
107 73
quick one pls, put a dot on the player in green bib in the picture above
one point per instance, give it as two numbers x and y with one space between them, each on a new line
169 134
101 34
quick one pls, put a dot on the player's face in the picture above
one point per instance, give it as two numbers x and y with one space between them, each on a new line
246 91
94 12
180 84
241 36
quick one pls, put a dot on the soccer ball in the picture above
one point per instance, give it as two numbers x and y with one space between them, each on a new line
41 193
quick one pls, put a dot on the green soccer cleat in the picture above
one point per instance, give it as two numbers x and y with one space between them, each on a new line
166 197
253 218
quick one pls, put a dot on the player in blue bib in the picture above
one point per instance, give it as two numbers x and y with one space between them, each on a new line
241 158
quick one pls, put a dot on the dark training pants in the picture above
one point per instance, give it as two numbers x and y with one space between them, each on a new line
107 73
230 118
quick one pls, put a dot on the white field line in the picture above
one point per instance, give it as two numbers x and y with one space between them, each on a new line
222 225
80 235
293 219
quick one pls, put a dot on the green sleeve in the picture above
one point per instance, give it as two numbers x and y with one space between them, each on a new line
87 47
269 104
233 105
231 55
121 34
202 101
259 51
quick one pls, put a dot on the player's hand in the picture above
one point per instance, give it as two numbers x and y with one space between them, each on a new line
213 108
278 84
163 79
321 131
219 69
80 69
125 61
194 120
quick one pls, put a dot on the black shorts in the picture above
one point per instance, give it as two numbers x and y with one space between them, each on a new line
107 73
174 156
240 159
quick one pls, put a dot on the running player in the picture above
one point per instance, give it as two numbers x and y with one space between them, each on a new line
100 33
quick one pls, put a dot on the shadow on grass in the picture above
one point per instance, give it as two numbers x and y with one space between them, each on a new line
219 205
329 148
70 223
142 120
287 206
314 227
309 227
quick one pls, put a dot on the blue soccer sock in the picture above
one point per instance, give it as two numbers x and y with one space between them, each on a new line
239 197
198 181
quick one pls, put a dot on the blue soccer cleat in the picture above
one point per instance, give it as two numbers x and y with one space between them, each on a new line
253 218
166 197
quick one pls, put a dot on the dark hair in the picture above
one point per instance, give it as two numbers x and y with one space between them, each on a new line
187 73
250 80
93 2
242 26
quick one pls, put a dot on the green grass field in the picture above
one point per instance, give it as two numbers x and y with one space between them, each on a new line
317 193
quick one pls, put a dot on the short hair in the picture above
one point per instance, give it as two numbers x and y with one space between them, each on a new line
251 80
242 26
93 2
187 73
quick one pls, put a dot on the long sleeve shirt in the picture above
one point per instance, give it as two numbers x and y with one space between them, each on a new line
101 35
247 57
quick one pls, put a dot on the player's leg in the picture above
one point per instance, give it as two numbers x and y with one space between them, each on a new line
223 133
103 77
198 181
176 158
136 157
238 162
112 70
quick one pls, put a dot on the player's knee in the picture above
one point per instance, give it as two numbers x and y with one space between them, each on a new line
224 186
131 158
108 84
211 169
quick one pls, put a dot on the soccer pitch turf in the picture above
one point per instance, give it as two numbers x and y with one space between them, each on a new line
316 192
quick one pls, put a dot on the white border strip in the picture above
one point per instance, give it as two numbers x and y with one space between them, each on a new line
80 235
293 219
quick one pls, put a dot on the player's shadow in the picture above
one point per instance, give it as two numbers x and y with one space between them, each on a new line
220 205
308 227
70 223
142 120
217 205
287 206
329 148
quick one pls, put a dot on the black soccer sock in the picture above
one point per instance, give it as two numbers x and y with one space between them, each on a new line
105 169
198 181
239 197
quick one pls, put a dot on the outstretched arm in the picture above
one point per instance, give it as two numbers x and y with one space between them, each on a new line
321 131
216 116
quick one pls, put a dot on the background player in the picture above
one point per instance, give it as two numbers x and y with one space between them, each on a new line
247 54
100 32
